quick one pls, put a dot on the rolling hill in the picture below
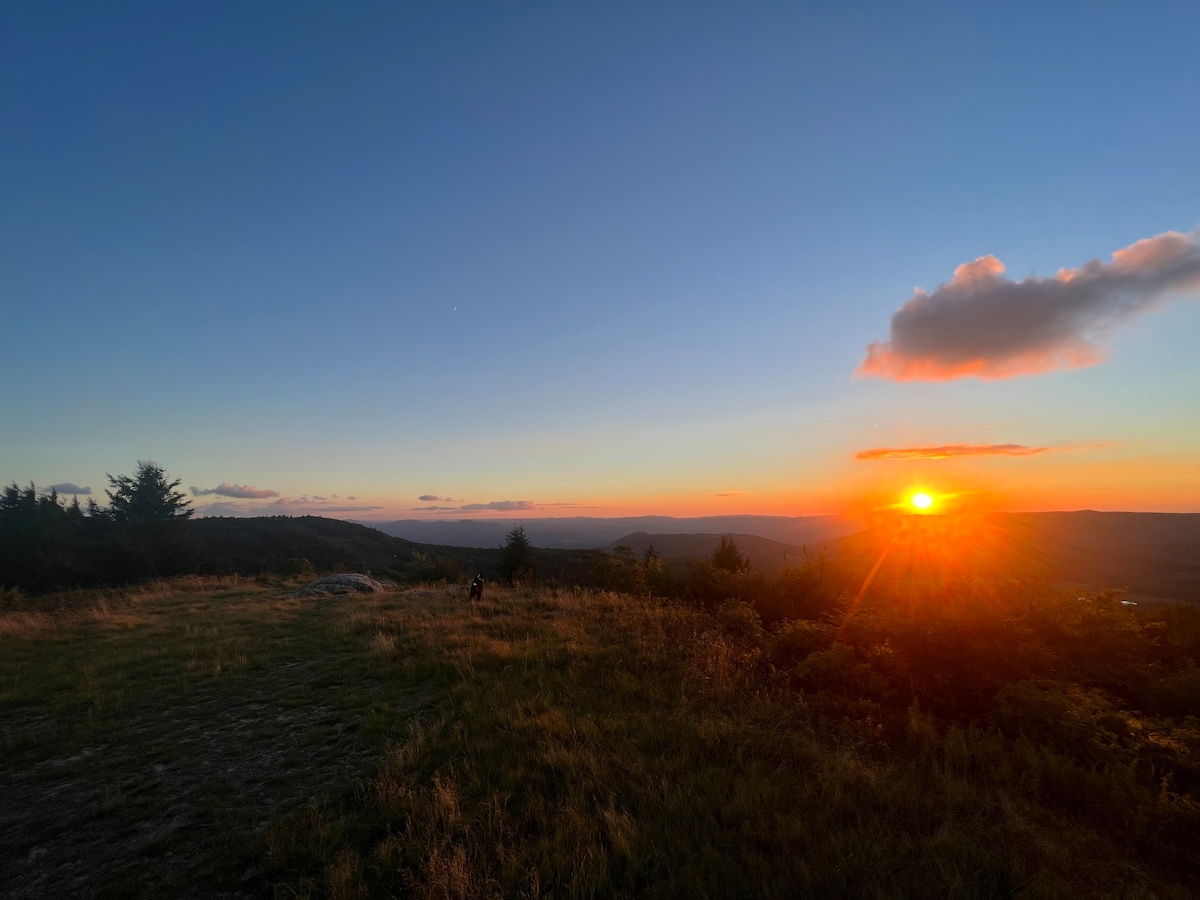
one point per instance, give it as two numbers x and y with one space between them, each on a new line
1149 554
586 532
279 544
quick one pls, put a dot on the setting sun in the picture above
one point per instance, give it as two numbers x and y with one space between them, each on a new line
921 501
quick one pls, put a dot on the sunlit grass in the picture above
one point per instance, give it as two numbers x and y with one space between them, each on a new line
561 743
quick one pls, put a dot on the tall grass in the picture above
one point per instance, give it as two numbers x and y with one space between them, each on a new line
595 744
985 742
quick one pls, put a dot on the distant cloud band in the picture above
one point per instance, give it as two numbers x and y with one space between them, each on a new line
985 325
948 450
500 505
240 491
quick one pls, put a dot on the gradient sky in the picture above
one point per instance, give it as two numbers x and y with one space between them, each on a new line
604 259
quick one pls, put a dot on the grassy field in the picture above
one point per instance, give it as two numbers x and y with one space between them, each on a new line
224 739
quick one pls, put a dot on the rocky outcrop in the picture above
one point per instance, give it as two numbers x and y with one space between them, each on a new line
346 583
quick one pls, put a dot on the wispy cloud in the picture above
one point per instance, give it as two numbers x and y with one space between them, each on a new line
69 487
945 451
240 491
429 498
983 324
729 494
500 506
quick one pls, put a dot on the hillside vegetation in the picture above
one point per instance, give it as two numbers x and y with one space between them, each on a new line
47 545
975 742
1156 554
764 555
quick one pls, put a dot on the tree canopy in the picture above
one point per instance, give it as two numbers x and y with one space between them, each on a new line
146 497
727 556
516 557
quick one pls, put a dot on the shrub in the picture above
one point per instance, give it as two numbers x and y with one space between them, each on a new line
792 641
739 620
838 670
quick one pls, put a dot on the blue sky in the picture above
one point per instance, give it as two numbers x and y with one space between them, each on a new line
620 257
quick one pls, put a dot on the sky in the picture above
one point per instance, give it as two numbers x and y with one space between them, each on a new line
382 261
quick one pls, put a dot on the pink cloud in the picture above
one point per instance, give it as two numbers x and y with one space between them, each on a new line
500 505
985 325
240 491
948 450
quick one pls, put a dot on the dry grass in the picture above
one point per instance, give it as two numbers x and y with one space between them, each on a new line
30 618
595 745
574 744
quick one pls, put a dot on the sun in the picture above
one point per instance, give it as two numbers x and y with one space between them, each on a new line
921 501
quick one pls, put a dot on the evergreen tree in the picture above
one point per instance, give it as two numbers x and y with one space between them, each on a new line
149 516
727 556
146 498
516 558
653 559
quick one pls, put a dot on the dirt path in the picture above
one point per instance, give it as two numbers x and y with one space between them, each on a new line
171 796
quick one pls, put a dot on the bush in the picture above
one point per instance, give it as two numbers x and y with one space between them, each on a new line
739 620
838 670
792 641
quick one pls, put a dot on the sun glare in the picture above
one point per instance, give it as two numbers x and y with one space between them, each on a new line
921 501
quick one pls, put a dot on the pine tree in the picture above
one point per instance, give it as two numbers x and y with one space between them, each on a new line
727 556
149 517
516 558
146 497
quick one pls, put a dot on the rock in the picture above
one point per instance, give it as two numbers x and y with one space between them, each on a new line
347 583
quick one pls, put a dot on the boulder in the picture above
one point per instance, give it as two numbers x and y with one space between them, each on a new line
346 583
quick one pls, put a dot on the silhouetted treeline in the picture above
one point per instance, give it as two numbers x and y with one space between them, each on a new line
48 544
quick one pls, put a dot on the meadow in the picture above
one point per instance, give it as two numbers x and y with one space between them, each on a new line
221 738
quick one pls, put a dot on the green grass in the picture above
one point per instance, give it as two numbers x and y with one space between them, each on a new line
539 744
149 740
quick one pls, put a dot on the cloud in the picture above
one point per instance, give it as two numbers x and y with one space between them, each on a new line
281 507
500 505
729 494
240 491
948 450
434 508
348 498
983 324
69 487
429 498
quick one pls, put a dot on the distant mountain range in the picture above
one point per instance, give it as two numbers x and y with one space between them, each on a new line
585 532
1148 554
